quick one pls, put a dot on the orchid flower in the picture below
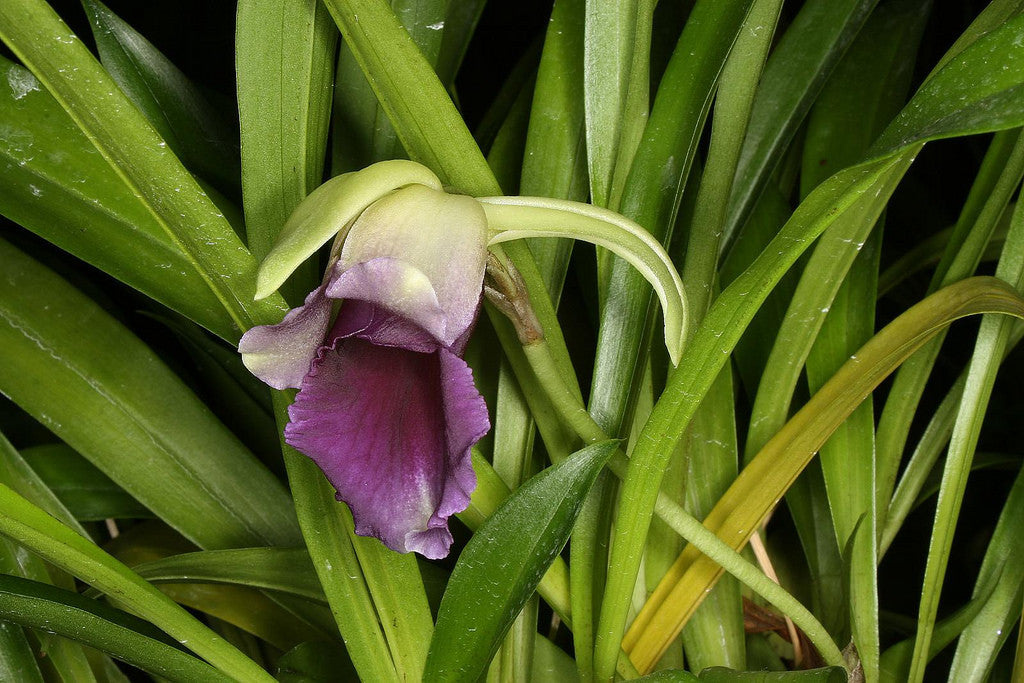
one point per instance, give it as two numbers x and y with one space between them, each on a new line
386 406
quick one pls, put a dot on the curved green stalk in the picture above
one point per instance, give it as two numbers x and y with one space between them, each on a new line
512 218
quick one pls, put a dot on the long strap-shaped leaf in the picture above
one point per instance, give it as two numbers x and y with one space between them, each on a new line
284 57
199 133
55 184
981 375
67 657
502 564
966 105
762 483
982 639
715 635
121 133
651 198
793 76
130 415
56 543
37 605
287 570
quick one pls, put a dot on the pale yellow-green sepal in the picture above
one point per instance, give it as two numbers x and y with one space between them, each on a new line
330 210
512 218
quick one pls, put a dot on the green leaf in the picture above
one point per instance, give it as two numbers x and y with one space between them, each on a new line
847 460
20 476
551 663
831 674
511 110
794 75
751 355
67 658
651 198
87 493
966 95
459 26
733 102
287 570
284 54
130 144
991 190
821 279
554 163
409 92
508 111
314 663
490 492
276 621
17 661
181 463
233 393
63 547
401 603
128 638
989 349
503 562
57 185
867 89
981 640
670 676
766 478
716 338
715 634
193 128
363 134
609 38
895 662
636 108
707 354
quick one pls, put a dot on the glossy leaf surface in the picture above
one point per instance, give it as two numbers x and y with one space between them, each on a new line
502 564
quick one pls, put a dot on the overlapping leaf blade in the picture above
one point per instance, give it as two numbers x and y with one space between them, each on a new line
503 563
36 605
130 415
58 186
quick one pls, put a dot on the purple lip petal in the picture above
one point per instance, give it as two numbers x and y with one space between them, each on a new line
380 327
442 236
466 423
391 429
280 354
394 284
386 407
